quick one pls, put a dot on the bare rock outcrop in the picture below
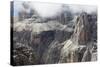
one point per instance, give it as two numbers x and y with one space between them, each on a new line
80 46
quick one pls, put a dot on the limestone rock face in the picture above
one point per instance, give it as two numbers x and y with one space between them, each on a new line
80 46
82 31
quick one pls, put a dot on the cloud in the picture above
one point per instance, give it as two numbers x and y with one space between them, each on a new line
52 9
19 7
47 9
80 8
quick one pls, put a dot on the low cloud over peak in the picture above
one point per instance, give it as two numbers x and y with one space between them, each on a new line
51 9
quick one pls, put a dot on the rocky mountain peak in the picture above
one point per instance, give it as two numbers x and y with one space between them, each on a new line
82 32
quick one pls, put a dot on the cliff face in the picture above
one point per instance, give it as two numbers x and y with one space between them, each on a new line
53 42
80 47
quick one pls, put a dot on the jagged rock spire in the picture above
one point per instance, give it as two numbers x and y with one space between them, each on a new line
79 41
82 33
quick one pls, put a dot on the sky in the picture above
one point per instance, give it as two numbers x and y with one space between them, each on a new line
51 9
17 6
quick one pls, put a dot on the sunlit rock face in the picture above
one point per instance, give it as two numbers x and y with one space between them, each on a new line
80 46
82 31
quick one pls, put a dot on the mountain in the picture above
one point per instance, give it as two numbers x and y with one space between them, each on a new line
36 41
